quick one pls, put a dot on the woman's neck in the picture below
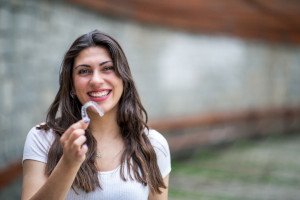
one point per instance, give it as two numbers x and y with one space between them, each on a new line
106 127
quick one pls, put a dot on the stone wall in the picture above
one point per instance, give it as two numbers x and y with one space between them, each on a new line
177 73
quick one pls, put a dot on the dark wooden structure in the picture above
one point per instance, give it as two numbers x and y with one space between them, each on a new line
274 21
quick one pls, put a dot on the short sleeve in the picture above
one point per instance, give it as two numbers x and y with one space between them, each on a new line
37 145
162 150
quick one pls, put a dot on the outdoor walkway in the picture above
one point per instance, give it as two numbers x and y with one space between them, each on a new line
264 169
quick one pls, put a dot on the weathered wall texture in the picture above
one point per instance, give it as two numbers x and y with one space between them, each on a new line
176 73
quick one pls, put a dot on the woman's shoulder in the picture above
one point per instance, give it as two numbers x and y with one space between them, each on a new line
157 140
37 144
161 147
38 133
154 135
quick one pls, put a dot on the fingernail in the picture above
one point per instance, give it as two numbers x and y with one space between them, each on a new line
86 120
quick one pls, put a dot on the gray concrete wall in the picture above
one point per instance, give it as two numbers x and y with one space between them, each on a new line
177 73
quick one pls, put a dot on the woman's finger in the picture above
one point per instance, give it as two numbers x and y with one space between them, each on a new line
77 144
84 150
75 134
78 125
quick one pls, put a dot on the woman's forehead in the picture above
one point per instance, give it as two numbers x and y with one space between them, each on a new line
92 54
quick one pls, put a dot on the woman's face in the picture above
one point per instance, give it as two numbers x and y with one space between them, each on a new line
94 79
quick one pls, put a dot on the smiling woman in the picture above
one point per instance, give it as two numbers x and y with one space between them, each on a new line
71 158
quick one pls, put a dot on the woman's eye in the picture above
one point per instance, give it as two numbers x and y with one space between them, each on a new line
84 71
108 68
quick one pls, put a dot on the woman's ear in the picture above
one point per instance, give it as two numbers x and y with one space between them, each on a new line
72 93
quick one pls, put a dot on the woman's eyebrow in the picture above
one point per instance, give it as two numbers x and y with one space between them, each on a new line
105 62
82 65
86 65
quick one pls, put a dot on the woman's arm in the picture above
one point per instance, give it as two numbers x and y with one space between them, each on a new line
164 194
33 177
36 185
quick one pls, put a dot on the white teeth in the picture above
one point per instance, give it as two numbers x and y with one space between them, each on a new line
99 94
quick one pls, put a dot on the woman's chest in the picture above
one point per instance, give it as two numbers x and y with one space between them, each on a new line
114 188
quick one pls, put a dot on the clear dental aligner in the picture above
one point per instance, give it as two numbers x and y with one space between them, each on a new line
93 104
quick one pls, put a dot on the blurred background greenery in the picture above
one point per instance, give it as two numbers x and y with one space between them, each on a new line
253 169
219 79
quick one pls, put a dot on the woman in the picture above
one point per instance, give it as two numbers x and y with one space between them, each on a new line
111 157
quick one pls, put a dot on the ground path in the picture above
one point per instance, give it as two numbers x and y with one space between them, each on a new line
261 169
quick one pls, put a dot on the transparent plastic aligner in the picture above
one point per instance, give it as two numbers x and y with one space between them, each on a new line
93 104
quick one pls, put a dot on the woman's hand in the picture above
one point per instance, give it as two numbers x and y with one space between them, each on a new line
36 185
72 140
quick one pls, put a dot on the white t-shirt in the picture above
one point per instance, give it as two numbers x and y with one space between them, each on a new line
38 143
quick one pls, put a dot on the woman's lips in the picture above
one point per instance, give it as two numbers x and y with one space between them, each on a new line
99 95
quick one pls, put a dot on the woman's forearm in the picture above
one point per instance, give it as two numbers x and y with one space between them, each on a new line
59 182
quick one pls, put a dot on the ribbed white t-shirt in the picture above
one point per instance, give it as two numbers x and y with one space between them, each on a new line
38 143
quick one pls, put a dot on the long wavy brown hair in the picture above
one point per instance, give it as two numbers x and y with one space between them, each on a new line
139 156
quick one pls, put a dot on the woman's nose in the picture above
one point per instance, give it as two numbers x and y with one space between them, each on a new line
96 79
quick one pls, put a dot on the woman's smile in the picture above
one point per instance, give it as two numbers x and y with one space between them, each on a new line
99 96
